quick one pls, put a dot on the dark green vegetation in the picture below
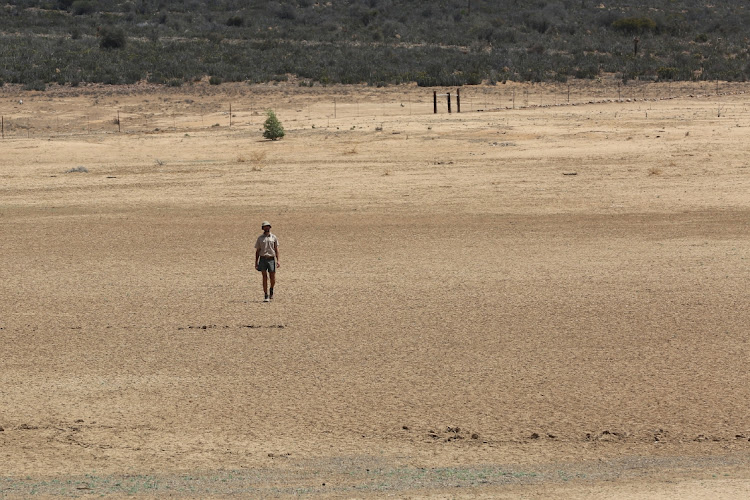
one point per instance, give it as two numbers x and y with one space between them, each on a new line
272 128
379 42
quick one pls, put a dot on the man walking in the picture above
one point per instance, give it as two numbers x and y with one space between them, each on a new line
267 258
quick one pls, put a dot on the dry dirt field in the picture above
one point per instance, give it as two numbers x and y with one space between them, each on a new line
549 301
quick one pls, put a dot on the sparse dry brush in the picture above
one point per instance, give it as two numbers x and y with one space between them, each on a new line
258 160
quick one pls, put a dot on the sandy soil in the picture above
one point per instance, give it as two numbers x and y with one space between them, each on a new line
540 302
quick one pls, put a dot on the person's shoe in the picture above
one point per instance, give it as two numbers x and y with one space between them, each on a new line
266 299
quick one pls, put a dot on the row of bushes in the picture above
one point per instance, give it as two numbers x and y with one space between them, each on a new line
444 22
447 42
108 59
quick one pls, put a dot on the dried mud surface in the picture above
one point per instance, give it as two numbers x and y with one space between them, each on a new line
542 302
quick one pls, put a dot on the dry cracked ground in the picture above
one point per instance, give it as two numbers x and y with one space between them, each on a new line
541 302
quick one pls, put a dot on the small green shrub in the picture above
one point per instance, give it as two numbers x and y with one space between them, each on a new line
83 7
38 85
287 12
112 38
214 37
272 128
235 21
588 72
666 72
215 80
633 25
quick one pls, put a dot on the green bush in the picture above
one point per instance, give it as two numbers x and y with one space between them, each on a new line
215 80
666 72
272 128
112 38
236 21
287 12
83 7
634 25
38 85
588 72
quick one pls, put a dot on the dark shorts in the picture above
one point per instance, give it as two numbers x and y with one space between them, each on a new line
267 264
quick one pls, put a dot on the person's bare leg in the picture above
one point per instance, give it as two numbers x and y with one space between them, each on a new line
273 281
265 283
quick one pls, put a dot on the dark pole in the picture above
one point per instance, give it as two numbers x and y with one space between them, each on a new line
230 114
458 100
3 122
119 125
449 102
434 100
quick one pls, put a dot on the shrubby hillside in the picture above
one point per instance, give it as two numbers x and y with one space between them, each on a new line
379 42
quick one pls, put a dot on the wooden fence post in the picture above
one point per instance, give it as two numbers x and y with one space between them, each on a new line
3 126
449 102
434 101
458 100
119 125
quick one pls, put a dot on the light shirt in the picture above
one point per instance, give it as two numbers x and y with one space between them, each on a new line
266 245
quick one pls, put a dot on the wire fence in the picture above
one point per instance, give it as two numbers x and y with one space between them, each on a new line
303 108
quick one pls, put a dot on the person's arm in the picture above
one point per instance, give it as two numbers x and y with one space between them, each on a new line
276 251
257 254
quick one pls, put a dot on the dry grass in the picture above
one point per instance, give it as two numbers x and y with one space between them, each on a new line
258 160
654 171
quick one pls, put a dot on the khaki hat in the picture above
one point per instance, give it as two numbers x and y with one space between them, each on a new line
265 223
